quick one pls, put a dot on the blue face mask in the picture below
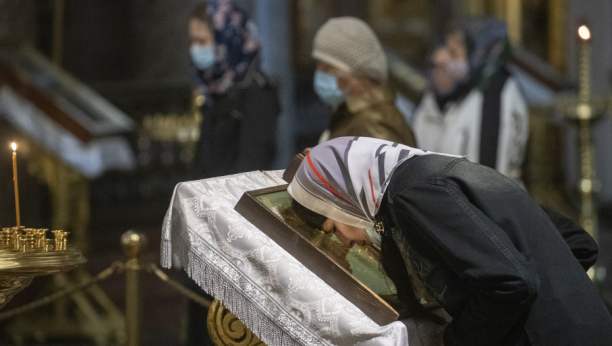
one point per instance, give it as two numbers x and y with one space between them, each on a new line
326 87
203 57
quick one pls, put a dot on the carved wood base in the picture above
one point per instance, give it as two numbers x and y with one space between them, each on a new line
225 329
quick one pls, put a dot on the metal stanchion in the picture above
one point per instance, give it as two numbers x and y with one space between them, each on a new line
133 243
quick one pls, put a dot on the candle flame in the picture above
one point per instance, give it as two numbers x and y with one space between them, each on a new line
14 146
584 32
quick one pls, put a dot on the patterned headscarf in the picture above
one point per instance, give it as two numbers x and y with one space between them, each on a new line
236 47
345 178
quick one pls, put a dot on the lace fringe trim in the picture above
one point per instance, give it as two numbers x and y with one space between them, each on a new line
213 282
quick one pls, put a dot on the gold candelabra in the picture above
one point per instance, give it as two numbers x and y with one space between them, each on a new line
589 184
584 111
26 253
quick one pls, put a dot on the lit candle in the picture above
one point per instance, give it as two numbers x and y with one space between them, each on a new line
585 64
14 146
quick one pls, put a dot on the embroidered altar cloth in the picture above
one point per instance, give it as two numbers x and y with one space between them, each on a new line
272 293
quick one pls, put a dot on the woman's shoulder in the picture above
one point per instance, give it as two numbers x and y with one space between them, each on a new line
383 111
425 169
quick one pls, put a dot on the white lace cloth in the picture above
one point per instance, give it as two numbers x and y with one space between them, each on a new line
278 298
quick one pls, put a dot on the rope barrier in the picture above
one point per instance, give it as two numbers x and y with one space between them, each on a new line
153 269
103 275
115 268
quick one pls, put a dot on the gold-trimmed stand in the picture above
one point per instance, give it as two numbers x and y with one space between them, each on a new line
26 253
225 329
99 318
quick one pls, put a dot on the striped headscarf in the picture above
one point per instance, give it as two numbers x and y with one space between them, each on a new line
345 178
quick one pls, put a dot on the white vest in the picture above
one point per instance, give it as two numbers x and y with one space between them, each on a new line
457 130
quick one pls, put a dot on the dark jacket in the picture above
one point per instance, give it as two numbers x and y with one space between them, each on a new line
238 130
373 114
493 258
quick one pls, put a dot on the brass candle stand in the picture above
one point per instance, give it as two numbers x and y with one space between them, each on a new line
583 111
584 115
26 253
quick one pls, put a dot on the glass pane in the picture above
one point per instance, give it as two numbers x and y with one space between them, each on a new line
362 262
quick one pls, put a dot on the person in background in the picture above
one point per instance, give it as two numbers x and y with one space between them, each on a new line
240 110
351 78
474 107
241 107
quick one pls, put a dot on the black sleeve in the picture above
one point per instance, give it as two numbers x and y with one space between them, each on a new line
258 130
579 241
503 281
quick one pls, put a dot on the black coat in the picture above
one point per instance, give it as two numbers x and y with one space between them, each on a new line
493 258
238 130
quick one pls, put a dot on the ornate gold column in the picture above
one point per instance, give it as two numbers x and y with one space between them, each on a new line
511 11
556 33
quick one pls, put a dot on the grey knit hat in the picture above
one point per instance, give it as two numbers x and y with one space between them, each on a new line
349 44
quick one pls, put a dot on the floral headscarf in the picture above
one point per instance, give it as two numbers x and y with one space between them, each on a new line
236 47
345 178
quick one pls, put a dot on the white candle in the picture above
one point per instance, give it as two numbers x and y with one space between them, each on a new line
14 146
585 64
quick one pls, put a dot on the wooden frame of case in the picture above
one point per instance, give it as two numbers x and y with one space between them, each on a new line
312 257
